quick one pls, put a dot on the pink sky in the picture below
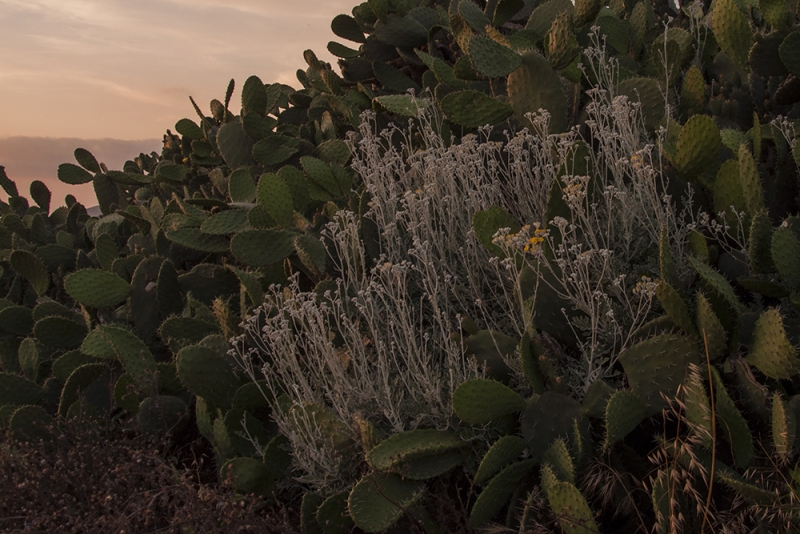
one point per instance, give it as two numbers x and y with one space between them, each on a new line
112 75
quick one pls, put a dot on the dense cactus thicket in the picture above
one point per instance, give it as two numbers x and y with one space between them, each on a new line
515 266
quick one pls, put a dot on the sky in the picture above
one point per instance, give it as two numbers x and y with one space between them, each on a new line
112 75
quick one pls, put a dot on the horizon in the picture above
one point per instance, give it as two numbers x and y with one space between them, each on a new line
83 74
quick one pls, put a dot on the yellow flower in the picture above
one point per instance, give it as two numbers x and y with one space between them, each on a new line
535 242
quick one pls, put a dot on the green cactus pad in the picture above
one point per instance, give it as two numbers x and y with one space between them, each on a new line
751 182
17 320
186 329
472 109
675 307
78 382
784 427
596 399
403 105
657 367
28 356
750 492
760 244
69 361
334 432
571 508
693 92
728 191
312 253
32 268
308 513
162 414
241 186
535 85
487 223
732 31
647 92
333 515
275 149
557 457
697 146
276 197
624 412
790 53
18 391
412 444
562 47
106 251
542 18
225 222
491 59
189 128
96 288
698 408
378 500
134 355
248 476
72 174
504 451
59 332
480 401
323 176
442 71
718 282
786 256
32 424
235 146
403 32
196 239
259 248
771 352
549 418
492 349
346 27
207 375
530 352
254 97
393 79
708 323
733 424
497 492
617 32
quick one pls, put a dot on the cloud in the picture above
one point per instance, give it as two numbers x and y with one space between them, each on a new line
121 69
37 158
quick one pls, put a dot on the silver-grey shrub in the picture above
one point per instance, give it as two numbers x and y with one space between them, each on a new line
382 347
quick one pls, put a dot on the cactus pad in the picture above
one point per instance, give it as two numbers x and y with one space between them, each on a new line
497 492
504 451
59 332
624 412
491 59
403 105
225 222
73 175
786 256
258 248
162 414
771 352
675 307
790 53
378 500
207 375
657 367
32 423
718 282
276 197
697 146
32 268
16 320
732 31
411 444
784 426
134 355
549 418
733 424
18 391
96 288
535 85
708 323
248 476
571 508
472 109
480 401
